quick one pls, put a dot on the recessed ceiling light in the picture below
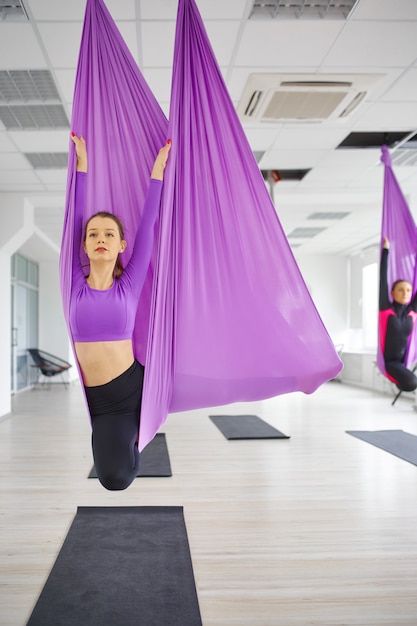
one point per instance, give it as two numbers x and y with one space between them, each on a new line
305 233
30 117
47 160
302 9
27 86
331 215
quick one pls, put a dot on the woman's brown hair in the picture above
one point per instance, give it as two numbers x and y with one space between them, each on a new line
118 268
397 282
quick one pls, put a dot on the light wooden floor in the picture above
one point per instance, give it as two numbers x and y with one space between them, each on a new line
320 529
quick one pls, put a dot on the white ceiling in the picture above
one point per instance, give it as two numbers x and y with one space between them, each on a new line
379 38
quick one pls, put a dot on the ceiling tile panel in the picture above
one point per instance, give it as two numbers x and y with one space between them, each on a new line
261 138
386 44
386 10
125 10
389 116
155 53
22 177
51 10
36 141
405 88
53 176
65 82
316 138
160 10
53 36
159 80
221 10
13 161
209 9
19 48
351 159
222 37
6 143
273 44
292 159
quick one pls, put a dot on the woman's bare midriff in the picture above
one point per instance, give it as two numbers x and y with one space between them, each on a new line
102 361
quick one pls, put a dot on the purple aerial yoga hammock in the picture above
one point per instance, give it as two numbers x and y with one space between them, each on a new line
230 316
116 112
399 227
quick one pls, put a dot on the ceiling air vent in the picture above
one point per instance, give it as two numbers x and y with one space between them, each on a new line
33 117
329 215
12 11
305 233
24 86
47 160
30 100
278 98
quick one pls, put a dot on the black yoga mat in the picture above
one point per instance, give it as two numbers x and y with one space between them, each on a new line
121 566
397 442
154 460
245 427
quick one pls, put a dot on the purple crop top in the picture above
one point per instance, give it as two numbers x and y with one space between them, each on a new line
109 315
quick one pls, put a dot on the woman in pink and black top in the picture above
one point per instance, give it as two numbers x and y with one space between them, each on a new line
397 319
102 316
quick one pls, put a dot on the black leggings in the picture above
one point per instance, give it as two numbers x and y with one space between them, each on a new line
405 379
115 410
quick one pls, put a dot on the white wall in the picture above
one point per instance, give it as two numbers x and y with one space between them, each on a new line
5 338
16 228
11 210
335 284
326 279
357 262
360 369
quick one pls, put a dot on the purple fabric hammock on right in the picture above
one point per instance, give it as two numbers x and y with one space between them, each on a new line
399 226
231 317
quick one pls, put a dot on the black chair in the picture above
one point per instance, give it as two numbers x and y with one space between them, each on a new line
48 365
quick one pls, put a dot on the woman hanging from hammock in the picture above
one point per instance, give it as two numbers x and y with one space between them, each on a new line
396 323
102 315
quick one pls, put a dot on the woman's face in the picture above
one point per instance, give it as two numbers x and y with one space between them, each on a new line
102 240
402 292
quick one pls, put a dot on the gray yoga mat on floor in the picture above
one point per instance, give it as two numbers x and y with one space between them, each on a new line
397 442
245 427
154 460
121 566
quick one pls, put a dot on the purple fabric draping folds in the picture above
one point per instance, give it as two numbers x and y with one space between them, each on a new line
229 317
399 226
232 318
124 126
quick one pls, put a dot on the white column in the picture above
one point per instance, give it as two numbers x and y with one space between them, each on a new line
17 221
5 336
